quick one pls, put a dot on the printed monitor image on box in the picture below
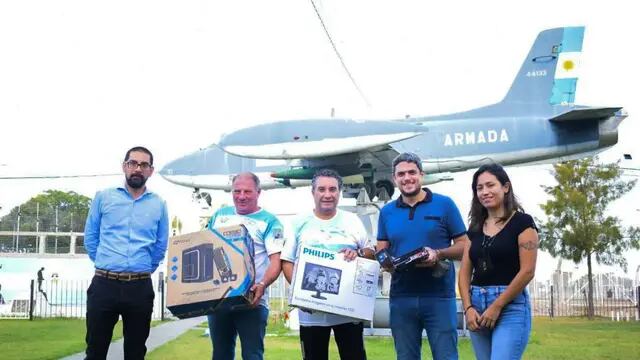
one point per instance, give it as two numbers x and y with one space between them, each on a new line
209 270
324 281
321 279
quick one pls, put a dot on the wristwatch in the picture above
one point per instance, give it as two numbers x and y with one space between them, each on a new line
360 252
262 283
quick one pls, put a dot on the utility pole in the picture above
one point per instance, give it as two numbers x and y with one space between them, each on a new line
18 231
55 247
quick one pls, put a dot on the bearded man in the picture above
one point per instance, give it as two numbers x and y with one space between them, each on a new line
419 300
126 238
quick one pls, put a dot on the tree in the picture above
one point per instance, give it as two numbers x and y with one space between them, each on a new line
52 210
577 226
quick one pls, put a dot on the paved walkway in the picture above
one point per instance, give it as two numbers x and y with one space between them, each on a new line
158 336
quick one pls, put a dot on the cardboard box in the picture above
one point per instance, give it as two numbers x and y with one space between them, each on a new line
324 281
209 270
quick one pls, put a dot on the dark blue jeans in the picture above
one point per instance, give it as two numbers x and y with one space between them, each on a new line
510 336
250 324
409 315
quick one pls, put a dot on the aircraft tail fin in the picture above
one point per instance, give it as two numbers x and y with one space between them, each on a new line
549 74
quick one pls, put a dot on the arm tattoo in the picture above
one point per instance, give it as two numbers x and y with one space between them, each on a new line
529 245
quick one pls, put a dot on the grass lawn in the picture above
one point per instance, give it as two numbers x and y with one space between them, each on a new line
45 338
561 338
578 338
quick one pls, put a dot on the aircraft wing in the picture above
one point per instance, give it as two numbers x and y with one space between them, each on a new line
316 138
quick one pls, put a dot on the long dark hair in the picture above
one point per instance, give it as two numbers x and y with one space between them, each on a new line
478 213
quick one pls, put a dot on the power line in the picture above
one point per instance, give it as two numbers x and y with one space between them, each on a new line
53 176
335 49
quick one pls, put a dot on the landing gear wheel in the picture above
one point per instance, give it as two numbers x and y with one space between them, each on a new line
383 187
371 191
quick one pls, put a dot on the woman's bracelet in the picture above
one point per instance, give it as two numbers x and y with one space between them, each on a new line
467 308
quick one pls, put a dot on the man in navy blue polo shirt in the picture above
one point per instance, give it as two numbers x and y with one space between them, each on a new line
419 300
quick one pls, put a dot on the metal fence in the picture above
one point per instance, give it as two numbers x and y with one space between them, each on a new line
68 299
613 298
64 299
279 298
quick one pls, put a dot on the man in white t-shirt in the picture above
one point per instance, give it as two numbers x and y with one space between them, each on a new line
267 234
336 230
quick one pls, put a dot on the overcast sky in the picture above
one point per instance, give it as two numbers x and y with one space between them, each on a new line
82 81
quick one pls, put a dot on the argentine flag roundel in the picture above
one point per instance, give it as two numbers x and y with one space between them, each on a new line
568 65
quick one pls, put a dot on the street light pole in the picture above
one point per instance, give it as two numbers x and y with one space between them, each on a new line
18 231
55 247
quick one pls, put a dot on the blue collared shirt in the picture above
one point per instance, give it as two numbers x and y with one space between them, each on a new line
126 235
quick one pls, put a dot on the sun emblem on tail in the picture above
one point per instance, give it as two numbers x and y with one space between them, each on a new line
568 65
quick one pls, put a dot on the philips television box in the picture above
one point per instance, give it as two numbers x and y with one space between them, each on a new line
209 270
324 281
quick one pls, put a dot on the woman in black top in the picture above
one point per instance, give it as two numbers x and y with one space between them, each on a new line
497 265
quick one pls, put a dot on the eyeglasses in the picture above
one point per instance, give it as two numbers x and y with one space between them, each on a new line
132 165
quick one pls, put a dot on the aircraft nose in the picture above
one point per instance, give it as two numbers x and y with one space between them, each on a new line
185 165
210 161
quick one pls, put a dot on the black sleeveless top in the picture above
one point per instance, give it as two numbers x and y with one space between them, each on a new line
497 261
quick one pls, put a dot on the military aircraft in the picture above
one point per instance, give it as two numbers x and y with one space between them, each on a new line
536 122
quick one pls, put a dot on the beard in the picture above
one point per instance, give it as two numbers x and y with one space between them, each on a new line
136 181
411 194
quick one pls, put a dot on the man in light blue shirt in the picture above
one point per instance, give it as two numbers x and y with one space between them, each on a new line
126 237
267 234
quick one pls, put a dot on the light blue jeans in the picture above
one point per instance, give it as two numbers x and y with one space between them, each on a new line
510 336
437 315
250 324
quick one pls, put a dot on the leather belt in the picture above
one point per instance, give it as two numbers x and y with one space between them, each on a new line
122 276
